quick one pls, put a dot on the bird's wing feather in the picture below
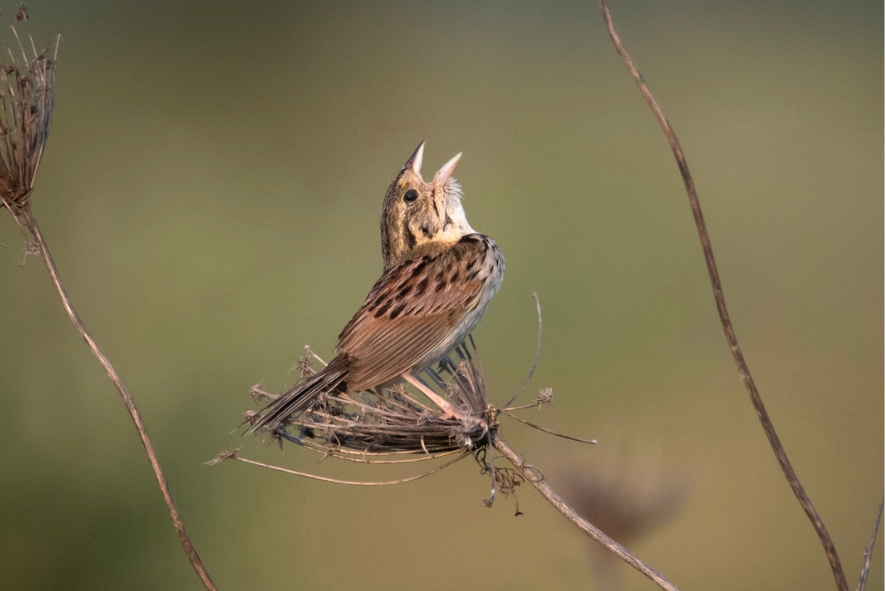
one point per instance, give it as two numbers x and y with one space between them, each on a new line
411 312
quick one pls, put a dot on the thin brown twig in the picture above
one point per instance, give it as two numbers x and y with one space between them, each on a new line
549 431
728 330
531 476
537 352
521 407
188 547
869 551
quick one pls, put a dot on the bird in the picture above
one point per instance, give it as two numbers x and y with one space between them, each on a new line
438 278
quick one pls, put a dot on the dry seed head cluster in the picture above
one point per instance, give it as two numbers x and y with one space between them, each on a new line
27 91
394 420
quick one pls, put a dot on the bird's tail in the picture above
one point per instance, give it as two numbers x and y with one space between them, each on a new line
299 397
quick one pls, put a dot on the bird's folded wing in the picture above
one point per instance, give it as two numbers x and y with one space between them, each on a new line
411 311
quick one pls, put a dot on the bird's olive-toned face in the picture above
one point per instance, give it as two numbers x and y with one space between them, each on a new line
419 218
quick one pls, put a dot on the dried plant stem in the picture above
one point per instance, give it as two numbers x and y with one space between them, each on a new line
188 547
869 551
232 455
537 352
728 330
550 431
532 476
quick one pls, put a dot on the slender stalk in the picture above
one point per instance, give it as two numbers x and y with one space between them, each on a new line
728 330
550 431
190 551
532 477
869 551
232 455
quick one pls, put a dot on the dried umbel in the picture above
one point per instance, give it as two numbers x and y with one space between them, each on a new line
395 420
399 425
27 90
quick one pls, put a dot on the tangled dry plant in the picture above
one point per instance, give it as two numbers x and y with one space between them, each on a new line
26 104
394 421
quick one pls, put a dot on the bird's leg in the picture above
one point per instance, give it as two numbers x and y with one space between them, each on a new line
449 411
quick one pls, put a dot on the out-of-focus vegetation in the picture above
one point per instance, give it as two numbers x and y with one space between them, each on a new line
211 191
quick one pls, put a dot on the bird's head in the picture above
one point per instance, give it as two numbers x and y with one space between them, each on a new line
419 218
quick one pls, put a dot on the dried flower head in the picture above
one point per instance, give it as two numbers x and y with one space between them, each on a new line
27 91
545 396
395 420
400 425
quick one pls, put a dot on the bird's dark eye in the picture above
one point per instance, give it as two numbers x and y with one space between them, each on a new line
410 196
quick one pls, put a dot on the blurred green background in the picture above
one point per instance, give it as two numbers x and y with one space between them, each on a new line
211 192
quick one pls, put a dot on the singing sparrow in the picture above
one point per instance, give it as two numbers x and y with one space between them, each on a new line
439 275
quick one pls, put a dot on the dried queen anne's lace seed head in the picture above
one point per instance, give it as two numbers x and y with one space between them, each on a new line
391 420
27 91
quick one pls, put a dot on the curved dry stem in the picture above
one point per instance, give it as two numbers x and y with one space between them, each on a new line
233 456
531 476
549 431
534 405
728 330
188 547
537 352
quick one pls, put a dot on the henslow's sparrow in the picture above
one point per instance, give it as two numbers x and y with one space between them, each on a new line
439 275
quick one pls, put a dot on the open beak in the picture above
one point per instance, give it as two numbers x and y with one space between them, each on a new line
414 161
444 173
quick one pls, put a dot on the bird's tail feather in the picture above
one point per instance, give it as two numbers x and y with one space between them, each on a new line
299 397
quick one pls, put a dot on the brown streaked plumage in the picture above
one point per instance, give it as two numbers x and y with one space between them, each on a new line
439 275
419 310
